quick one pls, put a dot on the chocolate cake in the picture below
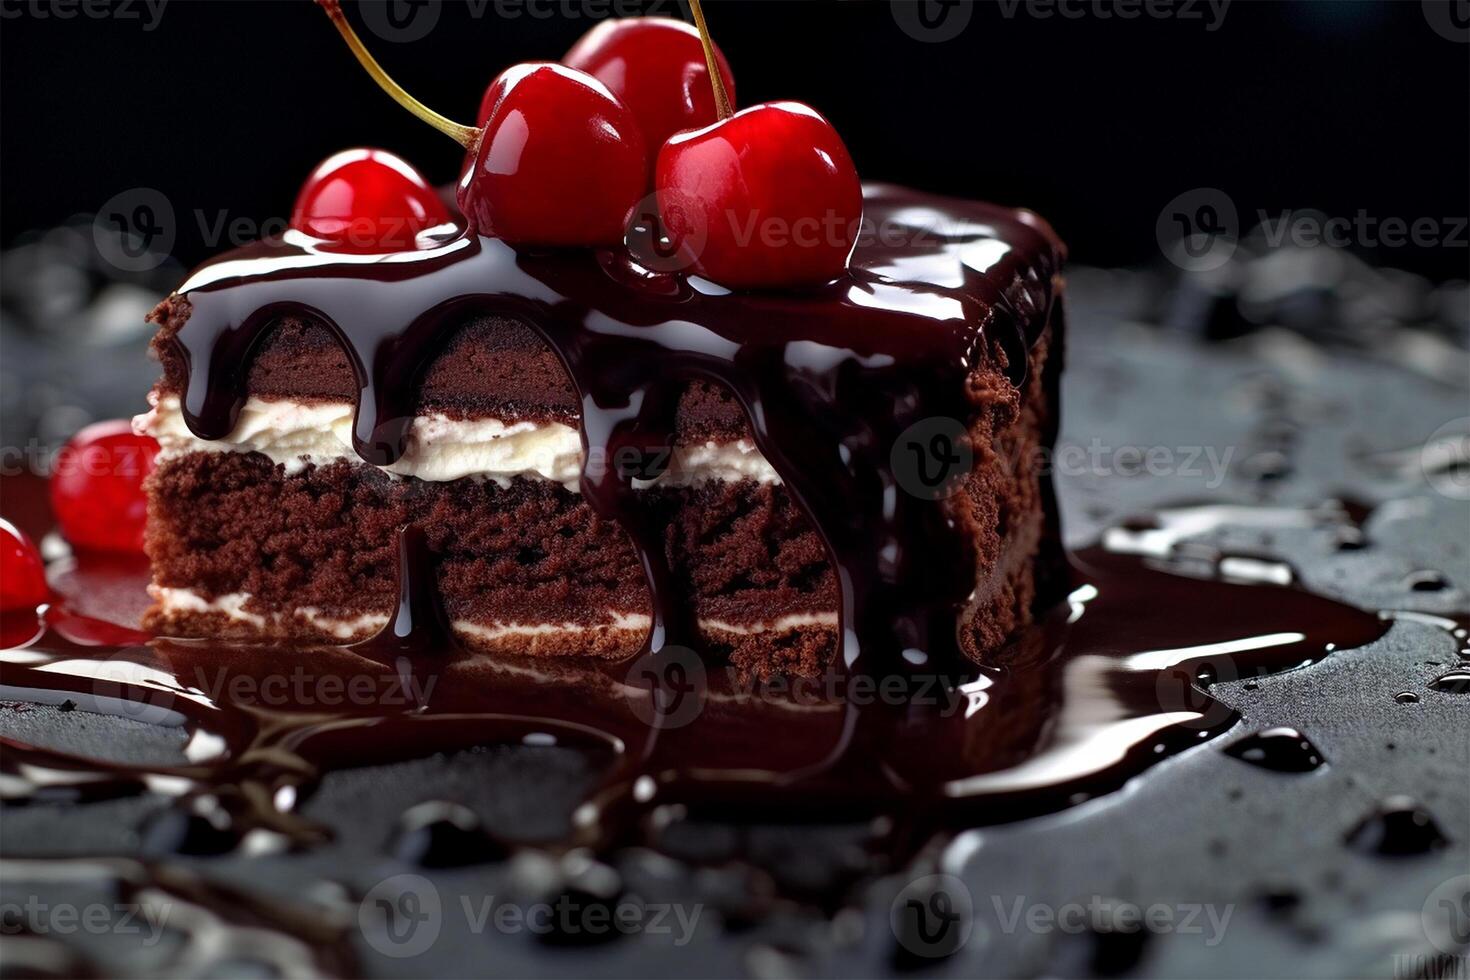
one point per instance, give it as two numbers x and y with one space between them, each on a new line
311 403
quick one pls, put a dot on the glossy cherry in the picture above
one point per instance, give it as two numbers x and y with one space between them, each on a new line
97 487
367 200
22 573
657 67
766 198
560 160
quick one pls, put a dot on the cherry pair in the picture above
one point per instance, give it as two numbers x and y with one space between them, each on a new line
563 154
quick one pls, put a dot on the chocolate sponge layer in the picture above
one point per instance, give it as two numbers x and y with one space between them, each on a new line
309 554
492 366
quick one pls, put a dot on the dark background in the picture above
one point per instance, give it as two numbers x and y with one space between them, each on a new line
1339 105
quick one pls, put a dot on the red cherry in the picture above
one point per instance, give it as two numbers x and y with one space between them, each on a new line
560 161
22 573
367 200
97 487
768 197
656 65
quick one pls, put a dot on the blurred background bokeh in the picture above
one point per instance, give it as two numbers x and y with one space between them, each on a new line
139 138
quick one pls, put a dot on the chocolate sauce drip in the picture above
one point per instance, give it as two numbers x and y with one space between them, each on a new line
418 623
828 377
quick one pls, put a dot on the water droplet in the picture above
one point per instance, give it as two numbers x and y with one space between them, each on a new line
1280 898
1426 581
1455 681
1267 467
1398 828
1278 749
437 834
588 891
1406 697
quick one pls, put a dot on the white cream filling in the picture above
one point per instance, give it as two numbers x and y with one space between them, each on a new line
295 434
232 606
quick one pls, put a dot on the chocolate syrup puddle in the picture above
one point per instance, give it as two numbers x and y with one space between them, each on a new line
217 923
1103 687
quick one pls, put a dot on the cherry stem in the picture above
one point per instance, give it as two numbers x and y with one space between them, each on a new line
466 136
716 80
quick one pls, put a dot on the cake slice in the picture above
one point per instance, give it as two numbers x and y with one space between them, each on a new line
307 409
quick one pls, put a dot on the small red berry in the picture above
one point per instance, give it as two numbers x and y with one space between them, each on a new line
656 66
367 200
22 573
766 198
97 487
560 162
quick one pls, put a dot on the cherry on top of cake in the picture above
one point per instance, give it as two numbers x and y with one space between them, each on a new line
565 155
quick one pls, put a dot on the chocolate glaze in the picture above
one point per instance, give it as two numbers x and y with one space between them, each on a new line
828 377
